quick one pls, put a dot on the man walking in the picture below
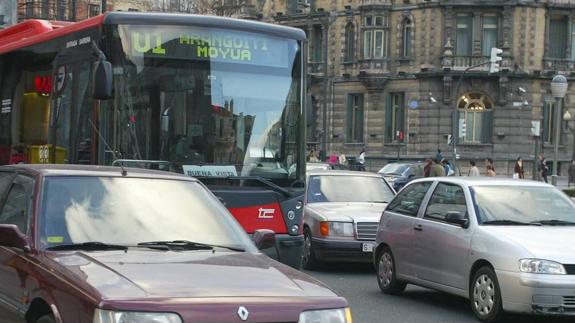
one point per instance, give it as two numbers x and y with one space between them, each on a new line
437 169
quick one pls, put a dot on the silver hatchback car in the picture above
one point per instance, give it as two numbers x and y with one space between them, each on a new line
507 245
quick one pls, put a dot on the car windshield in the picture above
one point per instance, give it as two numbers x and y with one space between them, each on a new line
128 211
340 188
521 204
395 169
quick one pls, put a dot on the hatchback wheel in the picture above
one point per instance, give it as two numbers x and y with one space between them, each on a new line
309 260
485 296
386 275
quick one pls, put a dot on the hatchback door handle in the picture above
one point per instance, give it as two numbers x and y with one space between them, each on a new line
418 227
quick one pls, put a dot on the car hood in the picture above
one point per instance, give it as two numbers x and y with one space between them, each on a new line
187 274
555 243
349 212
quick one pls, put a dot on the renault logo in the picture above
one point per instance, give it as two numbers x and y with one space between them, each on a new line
243 313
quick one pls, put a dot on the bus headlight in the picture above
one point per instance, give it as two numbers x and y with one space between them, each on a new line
340 315
105 316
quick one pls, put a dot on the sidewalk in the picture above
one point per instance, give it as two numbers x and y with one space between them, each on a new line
561 181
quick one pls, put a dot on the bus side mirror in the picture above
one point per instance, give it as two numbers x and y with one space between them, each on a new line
102 80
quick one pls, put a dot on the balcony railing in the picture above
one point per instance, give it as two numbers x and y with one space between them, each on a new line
558 64
460 63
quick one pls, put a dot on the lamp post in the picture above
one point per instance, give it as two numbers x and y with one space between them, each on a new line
559 89
567 118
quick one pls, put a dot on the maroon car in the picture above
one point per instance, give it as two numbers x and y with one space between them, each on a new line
106 245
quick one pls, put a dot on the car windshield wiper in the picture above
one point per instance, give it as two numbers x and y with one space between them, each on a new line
187 245
507 222
377 201
553 222
90 246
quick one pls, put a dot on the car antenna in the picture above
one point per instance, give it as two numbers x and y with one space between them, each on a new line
124 172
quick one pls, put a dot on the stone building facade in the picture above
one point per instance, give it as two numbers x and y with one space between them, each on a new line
74 10
386 75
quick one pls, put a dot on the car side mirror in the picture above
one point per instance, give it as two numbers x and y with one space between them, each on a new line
411 176
456 217
264 238
11 236
102 80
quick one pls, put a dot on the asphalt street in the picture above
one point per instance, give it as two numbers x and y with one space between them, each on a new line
357 283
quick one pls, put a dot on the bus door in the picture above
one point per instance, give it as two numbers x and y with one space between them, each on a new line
74 115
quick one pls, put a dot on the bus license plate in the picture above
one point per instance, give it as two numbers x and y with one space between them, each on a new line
367 247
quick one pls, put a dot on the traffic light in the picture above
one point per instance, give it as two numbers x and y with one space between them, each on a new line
495 59
450 139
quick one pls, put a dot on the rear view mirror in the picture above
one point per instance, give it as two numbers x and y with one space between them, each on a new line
11 236
264 238
102 80
456 217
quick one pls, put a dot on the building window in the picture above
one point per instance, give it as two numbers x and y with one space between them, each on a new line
475 118
407 50
490 27
375 37
45 9
93 10
558 34
317 45
464 35
355 118
349 43
61 9
395 118
549 111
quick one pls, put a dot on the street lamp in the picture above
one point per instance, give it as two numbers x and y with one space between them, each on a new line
558 89
568 118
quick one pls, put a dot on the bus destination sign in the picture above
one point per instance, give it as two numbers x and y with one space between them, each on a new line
204 44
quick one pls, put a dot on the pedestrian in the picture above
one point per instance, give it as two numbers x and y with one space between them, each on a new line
518 172
332 160
342 159
427 167
437 169
439 156
361 160
447 167
473 170
313 157
489 168
543 168
571 173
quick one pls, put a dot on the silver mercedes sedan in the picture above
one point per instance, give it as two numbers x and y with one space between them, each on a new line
341 215
507 245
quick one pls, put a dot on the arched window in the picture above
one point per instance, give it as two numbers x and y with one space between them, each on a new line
475 118
407 48
349 43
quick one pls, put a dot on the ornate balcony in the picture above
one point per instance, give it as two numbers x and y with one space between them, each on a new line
559 65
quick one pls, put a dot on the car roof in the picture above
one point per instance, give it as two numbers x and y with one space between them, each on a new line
91 170
483 181
332 172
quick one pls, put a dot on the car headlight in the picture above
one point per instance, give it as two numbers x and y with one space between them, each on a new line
340 315
104 316
337 229
540 266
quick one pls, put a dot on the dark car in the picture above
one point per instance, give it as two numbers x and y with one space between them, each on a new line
399 174
88 244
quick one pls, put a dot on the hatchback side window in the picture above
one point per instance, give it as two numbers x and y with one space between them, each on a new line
409 200
17 203
446 198
5 181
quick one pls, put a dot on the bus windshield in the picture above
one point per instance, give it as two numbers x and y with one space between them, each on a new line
213 102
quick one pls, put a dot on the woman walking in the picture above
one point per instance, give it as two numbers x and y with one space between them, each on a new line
518 171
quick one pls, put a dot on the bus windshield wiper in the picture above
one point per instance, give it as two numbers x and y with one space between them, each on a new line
89 246
507 222
553 222
187 245
260 179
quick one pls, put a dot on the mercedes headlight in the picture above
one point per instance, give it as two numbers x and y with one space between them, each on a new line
337 229
540 266
105 316
340 315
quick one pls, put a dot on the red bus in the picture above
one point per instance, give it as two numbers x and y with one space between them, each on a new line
216 98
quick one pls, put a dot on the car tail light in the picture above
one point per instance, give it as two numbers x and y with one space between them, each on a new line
324 228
